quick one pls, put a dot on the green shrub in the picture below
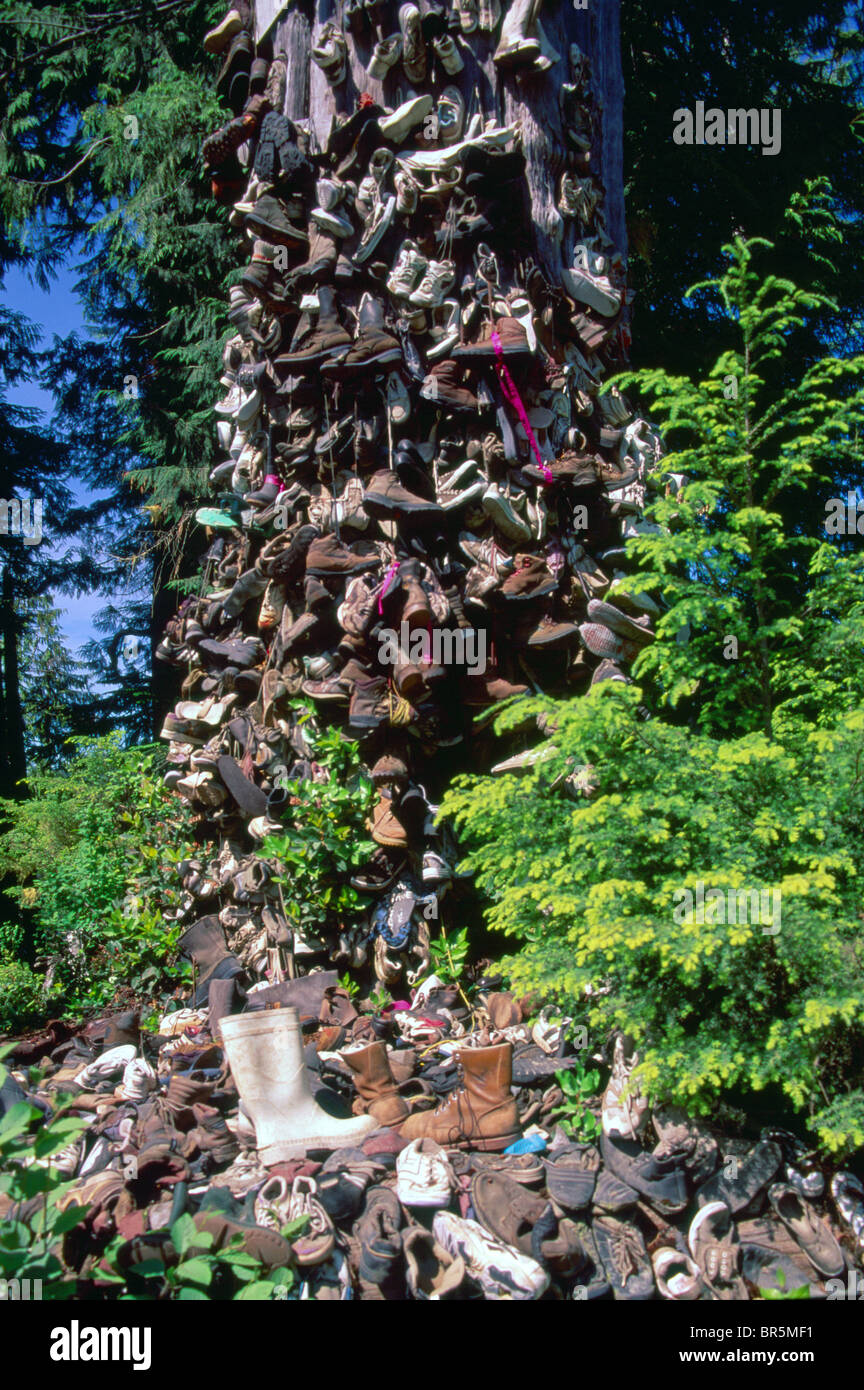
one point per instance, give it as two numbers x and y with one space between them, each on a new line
22 995
589 891
93 851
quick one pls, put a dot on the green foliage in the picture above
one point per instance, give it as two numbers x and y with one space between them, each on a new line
589 894
449 955
736 553
92 852
23 996
202 1273
579 1086
30 1235
324 839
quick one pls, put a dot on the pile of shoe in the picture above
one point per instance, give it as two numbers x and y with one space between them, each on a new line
450 1179
424 503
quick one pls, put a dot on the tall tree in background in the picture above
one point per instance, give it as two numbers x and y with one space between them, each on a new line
684 202
100 145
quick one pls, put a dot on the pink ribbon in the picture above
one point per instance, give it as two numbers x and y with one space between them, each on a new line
382 593
511 394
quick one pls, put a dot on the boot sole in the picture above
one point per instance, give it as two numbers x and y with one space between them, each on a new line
488 1145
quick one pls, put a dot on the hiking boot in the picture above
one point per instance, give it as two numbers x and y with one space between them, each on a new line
385 496
328 556
481 1114
512 336
443 385
373 346
385 826
269 221
327 340
485 690
376 1088
415 609
530 579
370 706
338 688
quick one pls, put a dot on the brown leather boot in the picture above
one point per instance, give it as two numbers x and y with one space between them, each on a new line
378 1095
481 1114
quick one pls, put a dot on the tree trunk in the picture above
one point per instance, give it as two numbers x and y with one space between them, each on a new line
13 757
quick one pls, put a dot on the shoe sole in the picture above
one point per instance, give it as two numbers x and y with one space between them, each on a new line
275 235
387 355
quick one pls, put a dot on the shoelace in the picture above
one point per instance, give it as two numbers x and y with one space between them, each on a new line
511 394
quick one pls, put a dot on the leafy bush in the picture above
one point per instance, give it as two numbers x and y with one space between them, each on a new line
325 837
92 851
590 893
22 995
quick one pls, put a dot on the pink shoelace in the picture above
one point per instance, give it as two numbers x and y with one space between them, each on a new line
511 394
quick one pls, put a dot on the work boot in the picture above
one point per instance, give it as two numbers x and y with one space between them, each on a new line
374 346
530 579
385 496
265 1052
481 1114
376 1088
204 944
369 706
327 556
415 609
443 385
323 343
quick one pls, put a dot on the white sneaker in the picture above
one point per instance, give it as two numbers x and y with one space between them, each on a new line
112 1063
138 1078
385 55
424 1177
396 126
433 287
497 506
408 271
625 1109
501 1271
597 291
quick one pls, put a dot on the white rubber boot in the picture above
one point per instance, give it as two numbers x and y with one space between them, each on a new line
265 1052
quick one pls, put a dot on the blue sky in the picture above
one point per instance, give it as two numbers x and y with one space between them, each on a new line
55 311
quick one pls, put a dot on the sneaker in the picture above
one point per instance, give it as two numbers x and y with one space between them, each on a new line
624 1257
408 271
331 54
635 630
385 55
597 291
433 288
487 554
411 113
413 45
450 115
424 1177
625 1109
498 507
499 1270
